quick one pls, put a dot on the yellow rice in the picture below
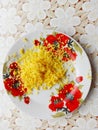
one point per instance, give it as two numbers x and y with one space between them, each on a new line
40 69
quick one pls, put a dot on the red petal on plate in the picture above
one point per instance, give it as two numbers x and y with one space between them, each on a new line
13 65
36 42
72 105
79 79
51 39
56 103
27 99
62 38
52 107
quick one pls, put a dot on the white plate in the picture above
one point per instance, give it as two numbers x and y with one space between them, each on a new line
39 103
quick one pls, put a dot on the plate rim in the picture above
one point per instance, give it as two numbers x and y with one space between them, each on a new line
17 41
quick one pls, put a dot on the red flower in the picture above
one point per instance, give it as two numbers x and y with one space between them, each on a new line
69 54
56 103
73 103
59 38
62 39
50 39
14 86
67 89
76 93
8 84
71 95
15 92
49 42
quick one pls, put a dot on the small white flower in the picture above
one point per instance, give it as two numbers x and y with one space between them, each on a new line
6 2
65 21
92 8
6 105
26 122
9 20
90 106
61 2
49 129
8 42
4 125
36 9
82 124
33 28
61 121
91 37
58 129
14 2
73 1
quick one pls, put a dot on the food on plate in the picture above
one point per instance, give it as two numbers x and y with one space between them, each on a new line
41 67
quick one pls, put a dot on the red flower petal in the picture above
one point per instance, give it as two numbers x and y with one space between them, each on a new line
72 105
62 95
36 42
72 55
15 92
8 83
21 93
62 39
76 93
68 88
12 73
65 59
60 104
53 98
27 99
51 39
79 79
13 65
52 107
56 103
8 88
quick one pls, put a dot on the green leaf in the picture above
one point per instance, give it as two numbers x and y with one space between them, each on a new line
20 98
77 48
81 100
80 86
5 67
52 94
54 33
8 92
42 39
58 114
72 82
25 40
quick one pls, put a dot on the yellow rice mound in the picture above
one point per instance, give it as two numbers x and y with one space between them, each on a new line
40 69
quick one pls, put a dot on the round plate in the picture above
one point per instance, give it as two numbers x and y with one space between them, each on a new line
50 103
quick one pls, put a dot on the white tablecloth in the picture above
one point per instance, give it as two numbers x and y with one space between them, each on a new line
77 18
